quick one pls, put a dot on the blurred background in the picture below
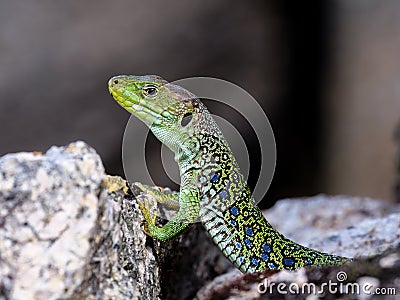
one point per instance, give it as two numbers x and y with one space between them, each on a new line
327 75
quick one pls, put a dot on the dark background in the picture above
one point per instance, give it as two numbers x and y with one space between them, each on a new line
326 73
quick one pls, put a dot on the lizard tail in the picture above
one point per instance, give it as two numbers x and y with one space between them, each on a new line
253 245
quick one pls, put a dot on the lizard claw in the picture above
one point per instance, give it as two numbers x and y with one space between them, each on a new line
150 219
139 186
151 190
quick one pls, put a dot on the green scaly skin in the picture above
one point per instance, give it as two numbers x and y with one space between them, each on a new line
213 190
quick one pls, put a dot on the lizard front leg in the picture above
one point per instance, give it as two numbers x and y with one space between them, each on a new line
189 206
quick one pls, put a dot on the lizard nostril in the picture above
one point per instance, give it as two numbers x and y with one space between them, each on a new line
115 81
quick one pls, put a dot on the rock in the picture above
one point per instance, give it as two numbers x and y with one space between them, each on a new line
123 266
69 231
359 280
49 213
397 160
306 218
62 236
363 228
349 226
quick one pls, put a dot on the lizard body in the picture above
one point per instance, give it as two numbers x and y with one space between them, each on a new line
213 190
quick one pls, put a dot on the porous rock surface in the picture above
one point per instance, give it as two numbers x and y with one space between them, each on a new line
67 233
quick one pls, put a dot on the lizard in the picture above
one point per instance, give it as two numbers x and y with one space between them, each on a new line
212 190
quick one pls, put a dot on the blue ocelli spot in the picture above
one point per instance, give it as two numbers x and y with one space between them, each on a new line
264 256
234 210
223 194
233 222
249 231
271 266
288 262
267 248
238 245
241 259
214 178
254 261
247 242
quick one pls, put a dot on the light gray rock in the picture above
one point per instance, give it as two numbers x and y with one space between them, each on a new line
363 228
49 211
63 236
308 218
349 226
67 233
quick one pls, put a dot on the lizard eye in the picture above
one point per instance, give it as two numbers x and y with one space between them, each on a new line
150 91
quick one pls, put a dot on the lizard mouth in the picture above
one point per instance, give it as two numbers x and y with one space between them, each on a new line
116 90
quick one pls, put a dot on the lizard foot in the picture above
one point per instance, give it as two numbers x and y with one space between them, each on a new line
154 191
158 194
150 224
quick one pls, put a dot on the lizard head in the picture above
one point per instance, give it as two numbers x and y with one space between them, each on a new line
167 109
